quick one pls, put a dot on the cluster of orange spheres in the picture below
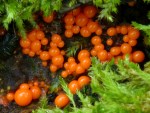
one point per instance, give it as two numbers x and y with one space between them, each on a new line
77 67
34 43
76 85
24 95
79 20
130 36
27 92
62 99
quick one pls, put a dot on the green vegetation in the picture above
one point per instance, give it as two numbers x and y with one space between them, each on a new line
108 8
19 11
74 46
